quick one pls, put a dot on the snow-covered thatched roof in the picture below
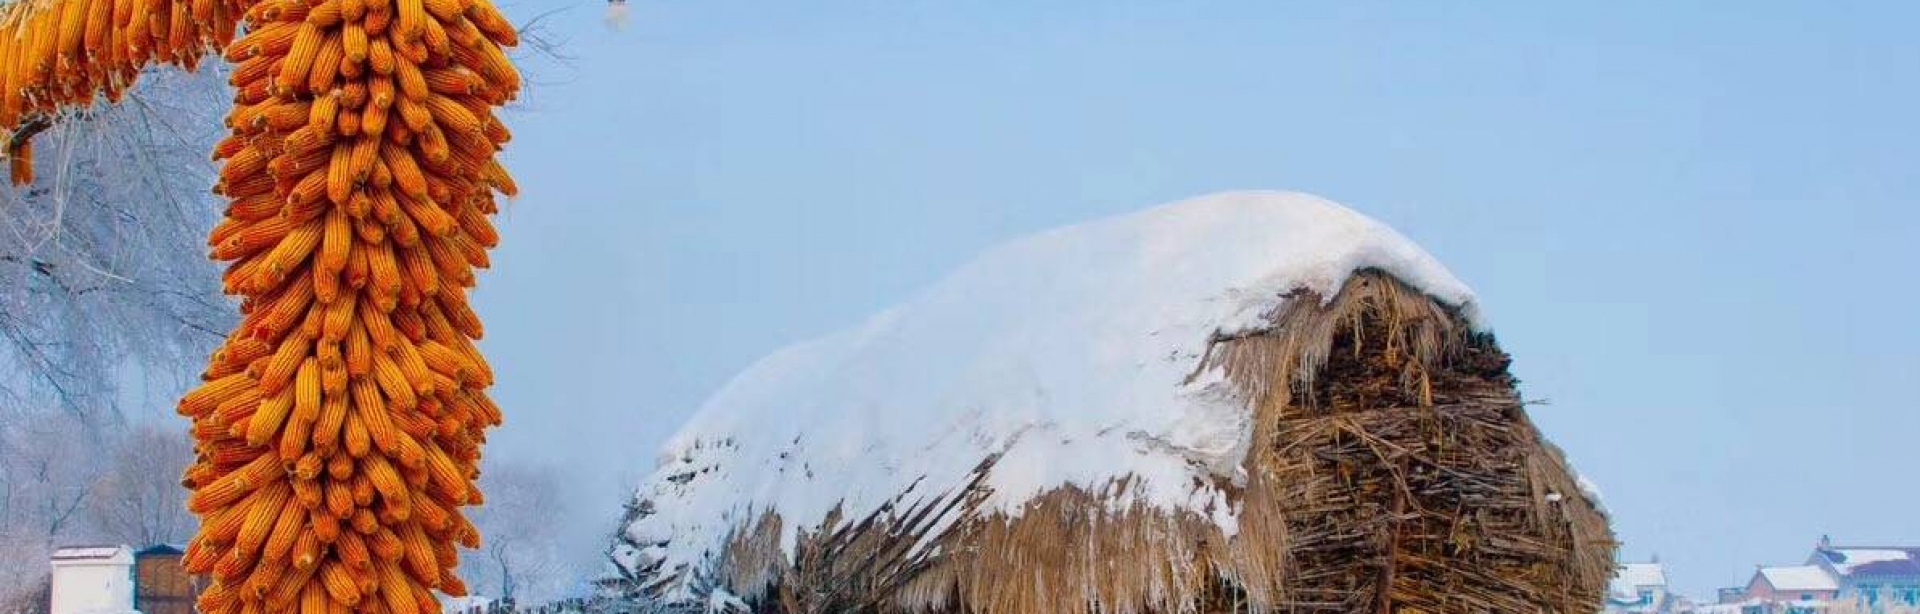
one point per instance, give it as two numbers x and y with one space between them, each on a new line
1073 357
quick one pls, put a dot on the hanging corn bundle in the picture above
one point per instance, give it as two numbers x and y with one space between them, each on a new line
57 54
340 425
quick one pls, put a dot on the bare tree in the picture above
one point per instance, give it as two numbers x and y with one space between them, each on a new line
49 467
519 558
139 500
63 483
101 259
102 278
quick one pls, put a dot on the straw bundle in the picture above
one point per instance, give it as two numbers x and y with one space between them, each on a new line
1392 469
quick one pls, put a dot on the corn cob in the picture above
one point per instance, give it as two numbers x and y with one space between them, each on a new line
339 438
63 54
361 174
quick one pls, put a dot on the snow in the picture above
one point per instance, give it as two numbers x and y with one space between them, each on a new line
1631 577
1855 557
1587 486
74 553
461 605
722 602
1799 578
1068 354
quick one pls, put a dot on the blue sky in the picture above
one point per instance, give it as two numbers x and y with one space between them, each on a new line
1692 225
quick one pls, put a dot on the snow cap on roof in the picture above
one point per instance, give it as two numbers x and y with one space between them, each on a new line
1799 578
1629 578
88 552
1872 561
93 554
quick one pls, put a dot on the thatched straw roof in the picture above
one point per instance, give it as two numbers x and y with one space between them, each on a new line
1247 402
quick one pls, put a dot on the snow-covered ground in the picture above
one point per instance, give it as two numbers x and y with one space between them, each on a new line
1074 355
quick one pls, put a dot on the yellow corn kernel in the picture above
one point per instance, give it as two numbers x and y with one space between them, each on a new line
338 499
453 116
231 487
300 56
354 42
306 392
399 392
326 528
353 551
314 599
260 520
339 467
420 271
294 437
369 410
363 521
286 530
338 320
307 552
339 583
326 63
326 431
210 395
385 480
268 416
448 482
395 588
357 439
420 560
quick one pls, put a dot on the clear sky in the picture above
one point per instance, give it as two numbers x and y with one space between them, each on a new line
1695 225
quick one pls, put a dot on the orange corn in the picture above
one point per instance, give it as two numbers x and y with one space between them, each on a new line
361 172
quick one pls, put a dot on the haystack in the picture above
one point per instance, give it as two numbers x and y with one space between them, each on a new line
1249 402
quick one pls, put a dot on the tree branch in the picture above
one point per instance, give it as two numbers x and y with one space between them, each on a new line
27 130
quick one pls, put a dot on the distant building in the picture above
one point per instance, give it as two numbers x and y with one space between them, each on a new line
117 580
1640 588
1730 594
161 582
92 580
1800 584
1722 608
1872 575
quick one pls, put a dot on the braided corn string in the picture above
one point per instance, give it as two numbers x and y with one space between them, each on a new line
339 426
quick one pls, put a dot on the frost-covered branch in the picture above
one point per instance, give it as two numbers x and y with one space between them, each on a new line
102 262
519 558
62 482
